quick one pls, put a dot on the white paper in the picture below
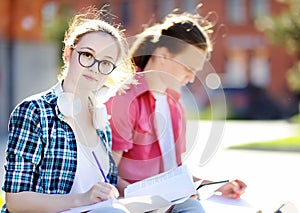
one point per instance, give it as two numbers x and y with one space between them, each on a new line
208 190
172 185
106 203
221 204
154 193
145 203
198 183
133 204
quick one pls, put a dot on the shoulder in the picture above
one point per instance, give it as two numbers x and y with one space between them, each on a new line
129 95
36 103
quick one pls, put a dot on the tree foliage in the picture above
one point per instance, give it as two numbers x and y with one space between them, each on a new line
55 28
284 29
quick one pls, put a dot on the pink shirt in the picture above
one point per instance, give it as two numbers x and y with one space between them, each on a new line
134 131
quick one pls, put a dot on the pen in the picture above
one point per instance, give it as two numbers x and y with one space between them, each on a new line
209 183
99 166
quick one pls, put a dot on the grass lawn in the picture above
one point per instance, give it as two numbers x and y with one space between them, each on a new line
1 199
285 144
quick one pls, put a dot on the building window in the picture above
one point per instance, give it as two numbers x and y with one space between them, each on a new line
236 69
236 11
190 5
107 12
125 11
259 8
259 69
165 7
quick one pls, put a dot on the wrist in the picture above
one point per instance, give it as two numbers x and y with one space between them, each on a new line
77 200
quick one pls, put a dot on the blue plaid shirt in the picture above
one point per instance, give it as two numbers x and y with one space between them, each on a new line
41 154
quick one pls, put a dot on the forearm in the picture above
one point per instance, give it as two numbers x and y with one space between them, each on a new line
122 184
37 202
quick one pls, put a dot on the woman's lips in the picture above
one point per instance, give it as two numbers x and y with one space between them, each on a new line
90 78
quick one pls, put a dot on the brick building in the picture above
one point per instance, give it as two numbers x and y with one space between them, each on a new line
242 55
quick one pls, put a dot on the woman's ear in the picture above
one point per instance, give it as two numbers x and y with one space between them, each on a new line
67 54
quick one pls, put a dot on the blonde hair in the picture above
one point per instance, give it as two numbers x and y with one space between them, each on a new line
92 20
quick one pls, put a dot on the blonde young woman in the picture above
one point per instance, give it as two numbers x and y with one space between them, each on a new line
59 146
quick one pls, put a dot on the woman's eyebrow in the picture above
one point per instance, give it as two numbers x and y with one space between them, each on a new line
89 48
108 57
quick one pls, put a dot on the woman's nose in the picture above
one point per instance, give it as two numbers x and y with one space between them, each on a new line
94 68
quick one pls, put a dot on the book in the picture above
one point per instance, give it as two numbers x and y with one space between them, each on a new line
154 193
175 186
87 208
133 205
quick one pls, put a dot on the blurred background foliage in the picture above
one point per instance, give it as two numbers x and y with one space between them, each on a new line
55 28
284 29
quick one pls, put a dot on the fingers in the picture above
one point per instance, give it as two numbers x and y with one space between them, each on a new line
240 185
195 196
107 191
102 191
233 195
233 189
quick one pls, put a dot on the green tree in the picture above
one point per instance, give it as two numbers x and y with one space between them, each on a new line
284 29
55 28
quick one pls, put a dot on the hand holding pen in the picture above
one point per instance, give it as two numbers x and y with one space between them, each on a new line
233 189
102 190
99 192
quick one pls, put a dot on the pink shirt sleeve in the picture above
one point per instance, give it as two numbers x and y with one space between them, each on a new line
121 111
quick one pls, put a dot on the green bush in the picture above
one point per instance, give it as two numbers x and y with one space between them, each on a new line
295 118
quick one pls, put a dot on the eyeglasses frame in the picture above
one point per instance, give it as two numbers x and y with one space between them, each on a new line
95 61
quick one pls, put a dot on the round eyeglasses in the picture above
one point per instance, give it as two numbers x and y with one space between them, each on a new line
87 60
